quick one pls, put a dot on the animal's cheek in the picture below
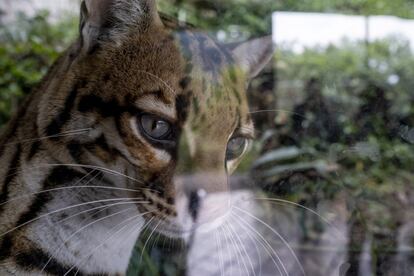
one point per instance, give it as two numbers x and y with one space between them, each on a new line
149 158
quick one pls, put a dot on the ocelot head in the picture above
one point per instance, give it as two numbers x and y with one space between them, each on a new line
163 106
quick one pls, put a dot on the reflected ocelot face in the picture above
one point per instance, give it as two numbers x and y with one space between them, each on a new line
138 125
166 105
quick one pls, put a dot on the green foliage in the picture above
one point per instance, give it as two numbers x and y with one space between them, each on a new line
27 49
245 18
158 256
242 17
365 95
349 77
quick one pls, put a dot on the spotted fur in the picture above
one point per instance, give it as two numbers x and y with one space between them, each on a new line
79 178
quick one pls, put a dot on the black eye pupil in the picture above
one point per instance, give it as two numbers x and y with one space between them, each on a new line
155 127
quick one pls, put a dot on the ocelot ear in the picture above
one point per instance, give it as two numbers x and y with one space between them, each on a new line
253 55
110 20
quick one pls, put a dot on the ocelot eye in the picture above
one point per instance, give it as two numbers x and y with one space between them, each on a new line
155 127
236 147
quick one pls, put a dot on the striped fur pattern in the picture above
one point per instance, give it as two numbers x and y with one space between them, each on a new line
80 175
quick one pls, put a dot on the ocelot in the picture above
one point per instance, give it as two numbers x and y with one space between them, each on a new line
136 125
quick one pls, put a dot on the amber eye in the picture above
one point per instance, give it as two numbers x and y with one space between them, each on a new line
236 147
155 127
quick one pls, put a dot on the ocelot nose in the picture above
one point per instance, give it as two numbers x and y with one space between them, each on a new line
197 197
195 200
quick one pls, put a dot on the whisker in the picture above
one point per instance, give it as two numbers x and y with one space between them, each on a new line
66 208
222 230
227 232
126 222
287 202
35 167
88 256
62 134
154 241
266 246
144 227
221 258
149 237
253 239
99 208
277 110
71 187
138 224
86 183
229 237
163 242
170 243
239 252
103 169
244 249
80 230
277 234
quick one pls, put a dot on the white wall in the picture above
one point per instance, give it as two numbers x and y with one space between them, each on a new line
299 30
56 7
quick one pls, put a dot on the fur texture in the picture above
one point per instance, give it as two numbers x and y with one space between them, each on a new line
80 174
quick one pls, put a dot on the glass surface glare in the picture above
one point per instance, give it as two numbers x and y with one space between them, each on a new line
157 134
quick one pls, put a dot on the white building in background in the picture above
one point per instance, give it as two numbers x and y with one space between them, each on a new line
297 30
9 8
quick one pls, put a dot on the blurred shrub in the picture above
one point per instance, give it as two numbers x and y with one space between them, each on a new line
27 48
345 119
